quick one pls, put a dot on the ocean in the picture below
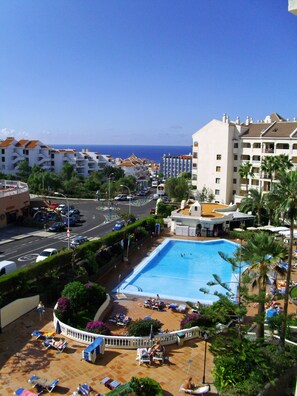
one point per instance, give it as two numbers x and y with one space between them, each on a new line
153 153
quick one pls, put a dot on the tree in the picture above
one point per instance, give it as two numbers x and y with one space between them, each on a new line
283 163
116 172
286 198
253 202
177 188
24 170
206 195
268 166
246 170
67 171
262 253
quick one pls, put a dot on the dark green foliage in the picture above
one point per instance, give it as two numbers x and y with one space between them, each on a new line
242 366
142 327
138 387
96 294
164 210
76 293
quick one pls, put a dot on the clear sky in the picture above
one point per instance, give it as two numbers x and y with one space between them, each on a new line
142 71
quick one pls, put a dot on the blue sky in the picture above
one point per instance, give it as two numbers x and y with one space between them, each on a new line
142 71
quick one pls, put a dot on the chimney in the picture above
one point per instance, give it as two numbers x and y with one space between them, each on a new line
247 121
224 118
237 120
294 119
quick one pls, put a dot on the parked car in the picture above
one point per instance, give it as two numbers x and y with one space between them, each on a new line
131 197
46 253
78 240
58 226
121 197
72 221
118 225
131 220
74 211
66 209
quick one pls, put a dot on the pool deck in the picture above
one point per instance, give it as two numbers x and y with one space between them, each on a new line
22 356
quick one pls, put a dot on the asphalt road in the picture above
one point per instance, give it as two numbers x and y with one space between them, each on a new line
23 245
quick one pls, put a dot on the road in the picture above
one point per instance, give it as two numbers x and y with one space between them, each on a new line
23 245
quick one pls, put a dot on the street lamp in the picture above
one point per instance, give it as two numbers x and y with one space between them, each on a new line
109 208
205 336
68 230
123 185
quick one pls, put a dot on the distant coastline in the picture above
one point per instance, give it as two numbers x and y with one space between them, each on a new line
153 153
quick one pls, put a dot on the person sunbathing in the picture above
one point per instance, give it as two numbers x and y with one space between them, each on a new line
155 349
188 384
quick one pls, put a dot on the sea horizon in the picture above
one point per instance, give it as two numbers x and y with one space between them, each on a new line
151 152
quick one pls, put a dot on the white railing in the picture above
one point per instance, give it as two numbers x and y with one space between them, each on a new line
126 342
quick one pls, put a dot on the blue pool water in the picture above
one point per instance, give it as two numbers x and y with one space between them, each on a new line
177 269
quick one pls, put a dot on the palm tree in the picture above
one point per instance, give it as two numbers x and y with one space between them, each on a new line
286 198
254 203
262 253
268 166
246 170
283 163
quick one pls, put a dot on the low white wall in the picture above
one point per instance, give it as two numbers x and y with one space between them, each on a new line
17 308
124 342
104 307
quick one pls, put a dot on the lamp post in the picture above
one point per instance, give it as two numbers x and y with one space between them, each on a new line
123 185
205 336
109 208
68 229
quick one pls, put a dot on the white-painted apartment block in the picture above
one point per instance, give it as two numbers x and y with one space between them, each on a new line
12 152
220 147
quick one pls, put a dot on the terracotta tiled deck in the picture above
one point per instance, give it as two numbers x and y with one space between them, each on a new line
22 356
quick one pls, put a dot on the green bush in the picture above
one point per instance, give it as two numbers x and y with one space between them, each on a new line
138 387
76 293
142 327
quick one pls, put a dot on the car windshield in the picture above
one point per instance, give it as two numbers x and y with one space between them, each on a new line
45 253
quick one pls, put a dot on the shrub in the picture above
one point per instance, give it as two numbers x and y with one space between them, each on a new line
76 292
63 309
96 294
142 327
97 327
145 386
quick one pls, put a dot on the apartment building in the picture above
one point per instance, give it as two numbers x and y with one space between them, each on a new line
292 6
134 166
173 165
220 147
12 152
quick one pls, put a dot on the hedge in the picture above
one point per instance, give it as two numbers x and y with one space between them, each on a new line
49 276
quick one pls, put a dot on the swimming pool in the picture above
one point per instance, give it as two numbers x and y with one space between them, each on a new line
177 269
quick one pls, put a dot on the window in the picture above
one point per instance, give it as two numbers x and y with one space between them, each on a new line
219 157
218 180
234 192
217 192
234 181
218 169
235 157
235 145
3 159
235 169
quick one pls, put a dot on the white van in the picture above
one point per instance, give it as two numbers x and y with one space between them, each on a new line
7 267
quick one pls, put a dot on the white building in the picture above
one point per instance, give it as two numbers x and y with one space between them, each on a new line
220 147
207 219
292 6
173 165
12 152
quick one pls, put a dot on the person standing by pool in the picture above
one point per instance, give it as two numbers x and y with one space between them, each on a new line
40 310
